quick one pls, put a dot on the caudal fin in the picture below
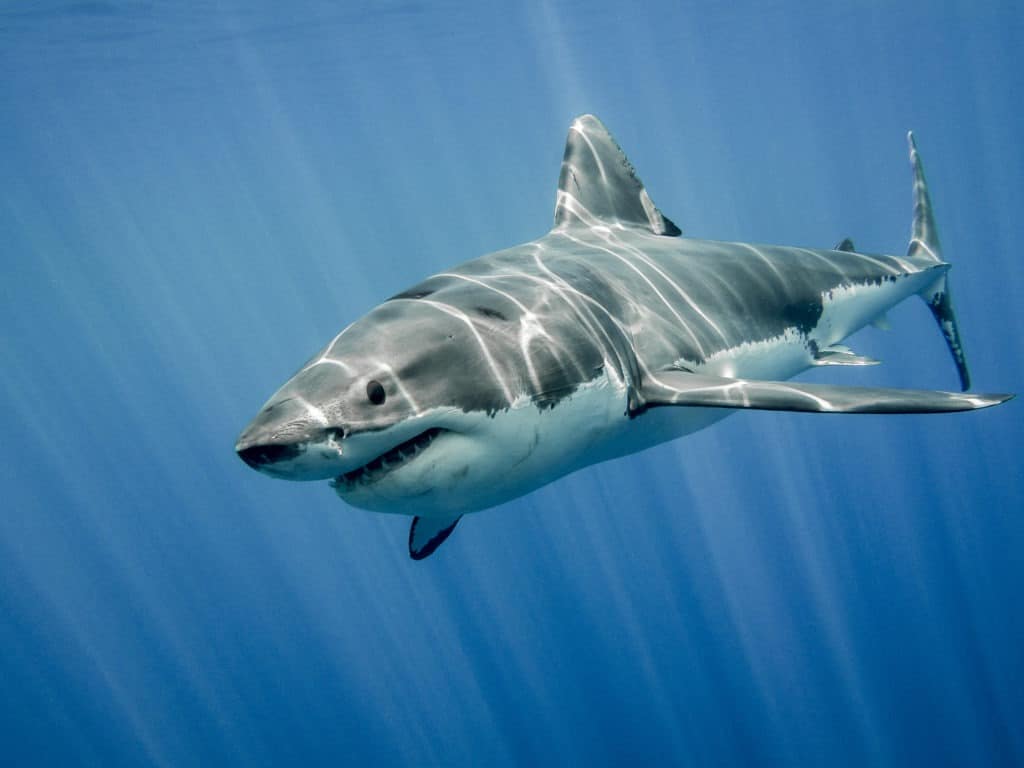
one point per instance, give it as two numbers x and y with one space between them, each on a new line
924 244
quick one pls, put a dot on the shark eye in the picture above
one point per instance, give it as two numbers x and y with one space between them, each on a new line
375 391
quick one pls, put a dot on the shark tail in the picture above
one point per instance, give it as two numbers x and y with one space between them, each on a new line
924 244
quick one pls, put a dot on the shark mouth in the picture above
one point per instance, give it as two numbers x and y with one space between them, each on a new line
388 462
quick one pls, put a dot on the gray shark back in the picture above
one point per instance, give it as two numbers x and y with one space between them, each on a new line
542 330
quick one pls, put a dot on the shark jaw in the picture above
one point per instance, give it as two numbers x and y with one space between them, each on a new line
460 462
394 459
350 463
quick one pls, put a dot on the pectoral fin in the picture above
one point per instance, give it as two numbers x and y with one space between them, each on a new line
426 534
692 389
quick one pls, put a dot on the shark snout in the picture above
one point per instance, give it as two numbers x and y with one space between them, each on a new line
258 456
282 441
317 458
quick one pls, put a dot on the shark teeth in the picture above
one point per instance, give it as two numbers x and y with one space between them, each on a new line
388 462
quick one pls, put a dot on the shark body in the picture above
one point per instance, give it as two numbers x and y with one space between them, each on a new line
608 335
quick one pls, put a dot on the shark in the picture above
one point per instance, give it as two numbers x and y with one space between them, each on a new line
608 335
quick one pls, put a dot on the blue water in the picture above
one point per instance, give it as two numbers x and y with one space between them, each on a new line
196 197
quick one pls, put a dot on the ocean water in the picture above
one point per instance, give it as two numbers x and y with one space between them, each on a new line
197 196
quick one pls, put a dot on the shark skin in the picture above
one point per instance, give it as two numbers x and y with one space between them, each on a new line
610 334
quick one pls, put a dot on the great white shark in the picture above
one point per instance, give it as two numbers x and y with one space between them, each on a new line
610 334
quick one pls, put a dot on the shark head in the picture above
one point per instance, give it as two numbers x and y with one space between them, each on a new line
479 384
420 407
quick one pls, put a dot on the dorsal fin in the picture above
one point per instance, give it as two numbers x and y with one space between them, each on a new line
598 186
846 244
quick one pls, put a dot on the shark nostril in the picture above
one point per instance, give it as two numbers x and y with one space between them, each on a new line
257 456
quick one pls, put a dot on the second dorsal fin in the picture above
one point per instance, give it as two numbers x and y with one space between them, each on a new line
598 186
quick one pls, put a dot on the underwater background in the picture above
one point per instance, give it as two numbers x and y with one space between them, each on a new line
197 196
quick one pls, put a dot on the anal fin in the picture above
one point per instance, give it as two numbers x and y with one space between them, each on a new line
839 354
882 322
426 534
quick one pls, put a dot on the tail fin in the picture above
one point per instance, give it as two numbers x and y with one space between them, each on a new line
924 244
